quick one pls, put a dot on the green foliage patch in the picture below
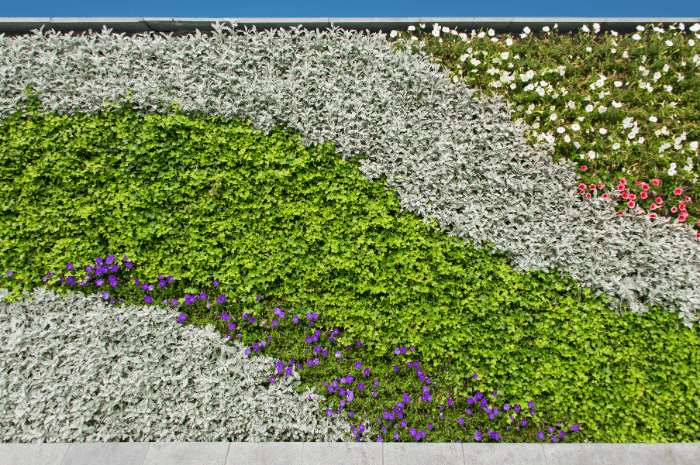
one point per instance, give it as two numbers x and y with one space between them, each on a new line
206 201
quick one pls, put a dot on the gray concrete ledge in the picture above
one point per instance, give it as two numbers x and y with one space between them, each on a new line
339 453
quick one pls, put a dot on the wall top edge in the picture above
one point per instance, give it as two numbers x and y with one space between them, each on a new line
14 26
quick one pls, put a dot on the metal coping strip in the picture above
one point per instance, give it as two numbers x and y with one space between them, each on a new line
182 26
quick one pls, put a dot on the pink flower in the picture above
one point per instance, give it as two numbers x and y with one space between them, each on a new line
623 181
678 191
592 187
601 185
687 199
659 200
605 196
630 204
652 215
674 209
656 182
643 195
582 186
588 196
619 213
584 167
682 207
621 187
645 186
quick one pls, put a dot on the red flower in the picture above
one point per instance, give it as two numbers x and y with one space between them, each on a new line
592 187
678 191
656 182
652 215
630 204
582 186
643 195
584 167
645 186
659 200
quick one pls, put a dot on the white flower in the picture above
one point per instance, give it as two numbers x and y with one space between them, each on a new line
505 55
526 30
393 33
445 29
475 62
602 109
641 140
585 28
571 104
657 76
691 42
575 127
589 108
591 154
513 86
653 119
640 28
596 26
669 43
589 49
693 145
603 131
492 32
625 55
618 84
436 32
636 37
560 129
695 27
553 116
616 146
545 29
577 145
614 33
422 25
411 27
567 138
672 169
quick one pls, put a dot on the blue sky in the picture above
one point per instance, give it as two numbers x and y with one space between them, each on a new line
350 9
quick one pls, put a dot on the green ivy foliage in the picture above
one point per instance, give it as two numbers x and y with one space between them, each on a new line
205 200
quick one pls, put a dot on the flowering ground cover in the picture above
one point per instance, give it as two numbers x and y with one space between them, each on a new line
454 345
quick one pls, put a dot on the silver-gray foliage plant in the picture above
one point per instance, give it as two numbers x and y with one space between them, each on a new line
449 156
70 372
